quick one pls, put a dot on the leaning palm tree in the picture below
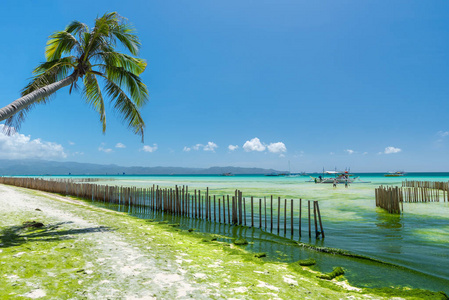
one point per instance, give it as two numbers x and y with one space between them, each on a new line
79 53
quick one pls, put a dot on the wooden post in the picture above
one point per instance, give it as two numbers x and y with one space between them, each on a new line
252 212
315 218
244 211
291 215
219 210
299 220
271 213
310 232
265 209
285 217
279 213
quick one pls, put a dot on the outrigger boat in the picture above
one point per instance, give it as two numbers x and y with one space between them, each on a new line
395 174
338 177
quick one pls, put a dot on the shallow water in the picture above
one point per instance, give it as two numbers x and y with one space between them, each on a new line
416 240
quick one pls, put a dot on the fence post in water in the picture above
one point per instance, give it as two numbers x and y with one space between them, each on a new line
319 217
260 212
265 209
279 213
291 215
271 214
285 217
215 218
219 210
300 212
315 218
229 211
195 208
240 207
252 211
310 232
244 211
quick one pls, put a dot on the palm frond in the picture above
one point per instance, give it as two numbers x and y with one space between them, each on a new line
126 108
125 33
129 63
76 27
92 93
131 82
48 73
59 43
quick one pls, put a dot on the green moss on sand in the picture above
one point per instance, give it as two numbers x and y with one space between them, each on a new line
336 272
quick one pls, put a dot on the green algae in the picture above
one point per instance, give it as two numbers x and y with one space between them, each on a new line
306 262
338 271
241 242
260 255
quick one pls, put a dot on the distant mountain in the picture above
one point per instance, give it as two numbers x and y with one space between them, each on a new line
43 167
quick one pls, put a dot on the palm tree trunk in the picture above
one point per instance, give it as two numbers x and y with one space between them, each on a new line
32 97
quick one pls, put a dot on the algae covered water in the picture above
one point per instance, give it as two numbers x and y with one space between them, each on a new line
416 241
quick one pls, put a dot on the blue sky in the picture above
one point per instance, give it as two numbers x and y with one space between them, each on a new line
359 84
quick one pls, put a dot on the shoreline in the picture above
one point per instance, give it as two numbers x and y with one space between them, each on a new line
90 234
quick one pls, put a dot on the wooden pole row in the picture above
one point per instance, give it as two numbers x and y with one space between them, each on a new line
179 201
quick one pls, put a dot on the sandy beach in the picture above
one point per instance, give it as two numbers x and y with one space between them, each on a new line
86 252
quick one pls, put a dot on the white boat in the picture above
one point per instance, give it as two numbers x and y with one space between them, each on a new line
395 174
338 177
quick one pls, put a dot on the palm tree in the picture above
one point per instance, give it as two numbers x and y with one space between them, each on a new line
79 53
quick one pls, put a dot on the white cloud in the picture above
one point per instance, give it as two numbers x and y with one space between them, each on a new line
105 150
443 133
71 143
277 147
254 145
233 147
150 149
390 150
211 146
20 146
349 151
120 145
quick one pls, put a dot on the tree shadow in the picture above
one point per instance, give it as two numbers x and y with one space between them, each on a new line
32 231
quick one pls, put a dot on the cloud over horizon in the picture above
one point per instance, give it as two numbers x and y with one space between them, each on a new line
256 145
150 149
349 151
390 150
253 145
210 146
20 146
105 150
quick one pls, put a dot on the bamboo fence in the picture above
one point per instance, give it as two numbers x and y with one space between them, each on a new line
392 198
270 214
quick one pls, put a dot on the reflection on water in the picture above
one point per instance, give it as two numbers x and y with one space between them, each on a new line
391 229
389 221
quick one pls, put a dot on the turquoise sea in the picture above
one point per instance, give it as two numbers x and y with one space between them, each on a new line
414 245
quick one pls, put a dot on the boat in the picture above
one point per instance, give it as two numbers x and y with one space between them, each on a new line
338 177
227 174
395 174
